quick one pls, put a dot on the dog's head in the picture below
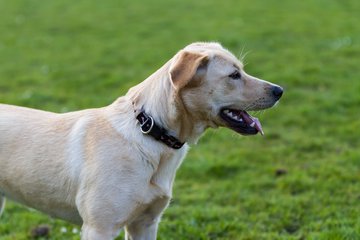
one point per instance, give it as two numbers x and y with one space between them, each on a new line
213 87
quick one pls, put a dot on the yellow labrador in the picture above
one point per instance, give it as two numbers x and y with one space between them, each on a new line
113 167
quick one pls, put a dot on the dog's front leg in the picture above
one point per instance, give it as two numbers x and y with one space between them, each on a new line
92 233
146 225
104 213
142 230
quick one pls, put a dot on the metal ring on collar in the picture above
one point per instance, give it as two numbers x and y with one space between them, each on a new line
146 131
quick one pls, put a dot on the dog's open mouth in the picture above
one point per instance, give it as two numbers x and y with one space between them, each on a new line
241 122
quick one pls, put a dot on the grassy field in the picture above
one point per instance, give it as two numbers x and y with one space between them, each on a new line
301 181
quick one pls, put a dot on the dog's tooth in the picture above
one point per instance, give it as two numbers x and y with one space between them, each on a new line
252 124
226 111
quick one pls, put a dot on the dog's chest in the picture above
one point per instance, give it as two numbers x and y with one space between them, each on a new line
160 187
165 172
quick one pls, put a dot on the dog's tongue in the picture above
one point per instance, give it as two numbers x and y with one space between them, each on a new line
252 121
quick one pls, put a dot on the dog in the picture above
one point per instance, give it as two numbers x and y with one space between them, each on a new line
113 168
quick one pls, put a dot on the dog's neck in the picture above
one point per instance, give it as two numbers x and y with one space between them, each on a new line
157 97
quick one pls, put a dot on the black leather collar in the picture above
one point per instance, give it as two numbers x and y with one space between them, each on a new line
149 127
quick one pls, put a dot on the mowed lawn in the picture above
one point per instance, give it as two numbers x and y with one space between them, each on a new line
301 181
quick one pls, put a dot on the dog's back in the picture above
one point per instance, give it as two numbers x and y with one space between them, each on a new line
21 149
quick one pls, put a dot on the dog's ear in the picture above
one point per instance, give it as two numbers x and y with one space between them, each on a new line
185 67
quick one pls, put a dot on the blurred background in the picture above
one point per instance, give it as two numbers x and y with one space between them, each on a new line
301 181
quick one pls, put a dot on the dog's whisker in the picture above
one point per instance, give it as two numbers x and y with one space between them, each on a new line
243 55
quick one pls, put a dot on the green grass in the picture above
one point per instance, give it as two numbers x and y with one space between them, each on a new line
68 55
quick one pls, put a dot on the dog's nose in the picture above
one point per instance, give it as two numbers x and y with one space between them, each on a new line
277 92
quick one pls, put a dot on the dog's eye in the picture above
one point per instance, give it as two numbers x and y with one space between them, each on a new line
235 75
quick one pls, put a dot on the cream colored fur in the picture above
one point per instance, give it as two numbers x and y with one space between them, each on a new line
96 169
